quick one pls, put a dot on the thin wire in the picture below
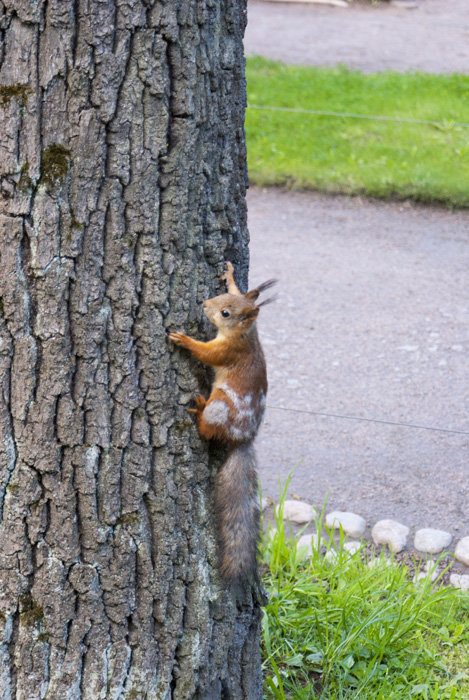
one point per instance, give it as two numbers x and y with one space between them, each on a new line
350 115
369 420
378 118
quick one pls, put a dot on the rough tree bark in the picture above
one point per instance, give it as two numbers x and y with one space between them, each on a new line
122 163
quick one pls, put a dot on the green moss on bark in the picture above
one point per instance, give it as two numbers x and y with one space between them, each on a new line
19 92
74 223
30 612
128 518
55 163
25 182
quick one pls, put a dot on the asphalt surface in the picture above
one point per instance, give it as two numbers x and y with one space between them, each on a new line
372 322
432 38
372 316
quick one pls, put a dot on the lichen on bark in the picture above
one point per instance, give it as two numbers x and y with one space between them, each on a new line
132 132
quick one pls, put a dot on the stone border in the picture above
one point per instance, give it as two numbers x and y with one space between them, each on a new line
387 532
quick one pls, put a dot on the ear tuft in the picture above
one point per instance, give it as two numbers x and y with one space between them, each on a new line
254 293
269 300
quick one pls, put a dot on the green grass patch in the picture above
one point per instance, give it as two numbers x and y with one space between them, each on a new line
336 628
383 159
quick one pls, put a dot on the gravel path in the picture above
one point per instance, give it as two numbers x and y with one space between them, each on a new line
371 321
433 38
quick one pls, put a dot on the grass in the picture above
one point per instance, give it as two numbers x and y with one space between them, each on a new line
340 629
352 156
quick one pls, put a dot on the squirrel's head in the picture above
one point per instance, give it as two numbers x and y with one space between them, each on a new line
235 313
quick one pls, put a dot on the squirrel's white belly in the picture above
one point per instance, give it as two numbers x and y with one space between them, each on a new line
241 414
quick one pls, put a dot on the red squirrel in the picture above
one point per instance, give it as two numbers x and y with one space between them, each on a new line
232 415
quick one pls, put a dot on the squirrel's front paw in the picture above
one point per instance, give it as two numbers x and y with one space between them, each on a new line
228 274
177 337
200 402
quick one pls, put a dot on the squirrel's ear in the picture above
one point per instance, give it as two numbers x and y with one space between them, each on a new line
250 313
254 293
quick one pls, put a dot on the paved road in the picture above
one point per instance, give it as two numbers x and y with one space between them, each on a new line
371 321
372 318
433 38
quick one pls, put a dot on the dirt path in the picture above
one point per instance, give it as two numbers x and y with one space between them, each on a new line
433 38
371 321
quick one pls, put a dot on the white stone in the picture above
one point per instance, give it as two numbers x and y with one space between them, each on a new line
308 541
352 524
352 547
460 581
378 561
429 571
390 532
298 512
331 555
432 541
265 502
349 549
462 551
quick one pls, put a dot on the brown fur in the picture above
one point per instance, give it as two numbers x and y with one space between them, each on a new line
232 414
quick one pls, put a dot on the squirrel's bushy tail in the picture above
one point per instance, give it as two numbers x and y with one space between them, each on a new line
237 505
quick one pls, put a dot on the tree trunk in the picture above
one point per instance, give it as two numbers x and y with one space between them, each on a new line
122 163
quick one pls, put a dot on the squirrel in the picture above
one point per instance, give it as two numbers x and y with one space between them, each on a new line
232 415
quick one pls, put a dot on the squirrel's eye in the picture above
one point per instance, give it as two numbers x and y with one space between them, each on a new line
225 313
